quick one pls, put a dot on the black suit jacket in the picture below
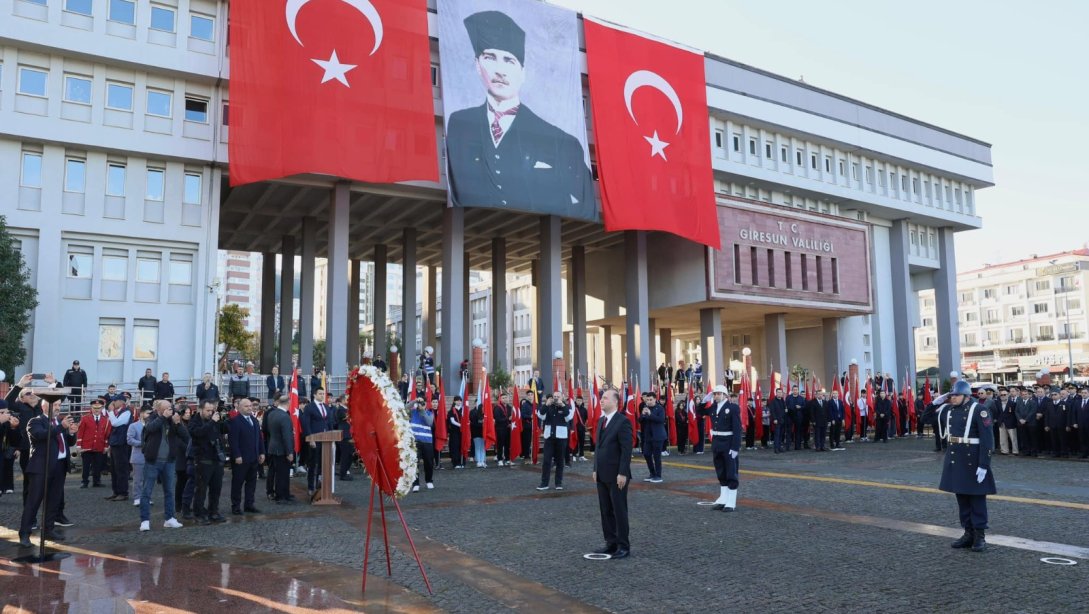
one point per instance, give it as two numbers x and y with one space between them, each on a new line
536 167
43 443
612 457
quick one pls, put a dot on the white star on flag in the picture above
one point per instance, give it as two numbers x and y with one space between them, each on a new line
334 69
657 146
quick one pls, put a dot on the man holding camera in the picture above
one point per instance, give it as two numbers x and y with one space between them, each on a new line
163 434
652 419
206 431
554 415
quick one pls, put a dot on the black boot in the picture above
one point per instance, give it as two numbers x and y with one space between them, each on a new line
979 544
965 540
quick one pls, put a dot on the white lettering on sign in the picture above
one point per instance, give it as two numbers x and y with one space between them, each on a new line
795 238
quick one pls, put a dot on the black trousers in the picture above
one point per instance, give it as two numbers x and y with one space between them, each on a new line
881 433
7 474
426 451
973 511
1025 440
682 437
181 479
243 474
554 450
346 450
527 438
313 466
837 427
209 478
502 443
1058 441
24 458
36 493
580 440
279 473
1083 439
750 434
119 470
697 446
726 468
820 435
652 453
456 455
92 466
613 502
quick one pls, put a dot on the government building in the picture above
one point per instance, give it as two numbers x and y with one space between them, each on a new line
834 216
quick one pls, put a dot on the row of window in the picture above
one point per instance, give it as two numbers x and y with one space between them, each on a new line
75 178
119 95
991 316
115 265
1065 284
1045 332
111 339
865 174
163 17
786 278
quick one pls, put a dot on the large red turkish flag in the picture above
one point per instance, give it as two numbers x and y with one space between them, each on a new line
336 87
649 103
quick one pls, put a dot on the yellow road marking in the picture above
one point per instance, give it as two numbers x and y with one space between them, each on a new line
907 487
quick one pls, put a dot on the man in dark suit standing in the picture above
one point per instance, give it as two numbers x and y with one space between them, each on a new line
501 153
51 442
247 451
652 420
612 472
316 418
818 410
280 446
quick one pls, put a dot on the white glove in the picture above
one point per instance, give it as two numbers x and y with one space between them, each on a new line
980 474
733 453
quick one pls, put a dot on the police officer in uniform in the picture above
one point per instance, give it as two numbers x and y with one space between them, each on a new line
725 443
967 426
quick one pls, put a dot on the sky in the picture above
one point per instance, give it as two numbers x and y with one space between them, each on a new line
1011 74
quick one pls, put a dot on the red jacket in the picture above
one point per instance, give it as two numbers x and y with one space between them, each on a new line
93 437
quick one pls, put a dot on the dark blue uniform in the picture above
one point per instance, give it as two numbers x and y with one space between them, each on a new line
725 438
970 448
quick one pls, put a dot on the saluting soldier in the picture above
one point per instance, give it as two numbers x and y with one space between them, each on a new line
725 444
967 426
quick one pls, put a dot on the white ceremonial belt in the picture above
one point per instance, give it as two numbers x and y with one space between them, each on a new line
967 440
721 433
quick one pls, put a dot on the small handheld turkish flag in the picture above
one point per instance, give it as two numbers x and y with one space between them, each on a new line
339 88
649 103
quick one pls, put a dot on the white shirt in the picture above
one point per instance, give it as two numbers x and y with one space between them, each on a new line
608 417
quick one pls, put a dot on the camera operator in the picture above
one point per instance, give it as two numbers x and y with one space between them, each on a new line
554 415
206 430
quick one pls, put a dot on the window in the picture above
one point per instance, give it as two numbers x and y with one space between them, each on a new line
948 194
1039 308
115 268
904 183
928 321
1043 284
966 297
854 171
799 156
869 175
80 262
971 316
1012 289
202 27
115 180
181 272
914 185
970 339
783 155
192 189
162 18
827 164
718 139
123 11
32 170
1073 303
158 103
32 81
813 161
992 316
914 239
227 110
767 150
111 339
1017 311
752 146
147 270
196 110
119 96
1046 333
145 340
83 7
881 179
928 303
926 189
842 167
77 89
737 142
155 178
75 175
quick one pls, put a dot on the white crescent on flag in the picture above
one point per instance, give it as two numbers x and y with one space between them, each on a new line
646 78
333 68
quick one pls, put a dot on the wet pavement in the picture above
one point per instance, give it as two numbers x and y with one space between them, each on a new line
860 530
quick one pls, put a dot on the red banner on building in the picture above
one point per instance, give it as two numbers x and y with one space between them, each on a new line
649 103
337 88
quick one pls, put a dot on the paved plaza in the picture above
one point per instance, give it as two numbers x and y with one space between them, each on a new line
859 530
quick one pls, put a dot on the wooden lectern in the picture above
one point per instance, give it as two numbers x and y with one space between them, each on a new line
326 439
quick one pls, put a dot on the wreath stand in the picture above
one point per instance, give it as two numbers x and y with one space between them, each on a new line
382 510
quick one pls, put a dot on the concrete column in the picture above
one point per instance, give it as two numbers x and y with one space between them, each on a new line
652 356
428 300
549 298
832 370
337 294
268 311
711 345
945 304
287 299
577 273
775 344
453 287
497 345
607 353
466 306
636 289
535 316
381 259
902 292
408 299
306 295
665 345
352 337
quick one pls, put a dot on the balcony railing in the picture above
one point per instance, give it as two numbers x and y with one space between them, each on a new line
1045 337
1073 335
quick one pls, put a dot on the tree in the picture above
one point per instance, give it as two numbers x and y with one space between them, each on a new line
319 353
499 378
17 300
232 329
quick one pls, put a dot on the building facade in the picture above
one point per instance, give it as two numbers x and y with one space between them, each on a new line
1017 319
240 284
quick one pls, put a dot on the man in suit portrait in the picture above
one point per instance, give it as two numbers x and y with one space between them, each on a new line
247 451
316 418
501 153
612 472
